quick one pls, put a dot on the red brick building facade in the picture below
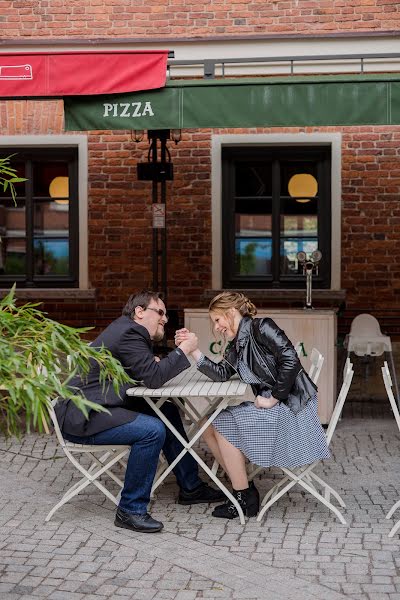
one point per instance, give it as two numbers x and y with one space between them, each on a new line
119 230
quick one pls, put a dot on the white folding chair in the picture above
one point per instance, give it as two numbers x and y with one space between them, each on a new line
387 380
110 455
304 476
317 360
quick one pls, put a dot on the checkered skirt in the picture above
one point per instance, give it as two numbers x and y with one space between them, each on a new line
273 437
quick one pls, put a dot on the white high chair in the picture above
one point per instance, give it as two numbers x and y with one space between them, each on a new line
366 339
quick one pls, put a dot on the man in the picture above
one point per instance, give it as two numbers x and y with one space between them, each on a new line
129 338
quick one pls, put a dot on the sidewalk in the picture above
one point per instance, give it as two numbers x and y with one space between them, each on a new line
299 552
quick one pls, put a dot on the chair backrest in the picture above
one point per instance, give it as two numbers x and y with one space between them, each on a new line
366 338
317 360
387 380
337 411
364 325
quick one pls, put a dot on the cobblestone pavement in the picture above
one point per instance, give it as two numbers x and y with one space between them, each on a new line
299 552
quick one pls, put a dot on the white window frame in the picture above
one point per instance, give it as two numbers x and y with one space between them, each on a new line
65 141
334 140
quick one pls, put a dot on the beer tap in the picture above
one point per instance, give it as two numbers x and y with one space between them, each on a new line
310 265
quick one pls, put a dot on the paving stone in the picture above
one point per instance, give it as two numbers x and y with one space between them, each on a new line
299 552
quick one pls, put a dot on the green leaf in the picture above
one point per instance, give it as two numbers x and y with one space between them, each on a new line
17 179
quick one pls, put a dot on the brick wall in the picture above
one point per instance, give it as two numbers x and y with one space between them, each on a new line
120 244
170 18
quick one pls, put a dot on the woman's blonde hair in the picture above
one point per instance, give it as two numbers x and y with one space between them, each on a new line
226 300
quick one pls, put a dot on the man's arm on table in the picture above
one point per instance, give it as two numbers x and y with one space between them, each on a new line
136 354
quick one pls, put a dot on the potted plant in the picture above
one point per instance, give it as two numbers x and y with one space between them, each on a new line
38 358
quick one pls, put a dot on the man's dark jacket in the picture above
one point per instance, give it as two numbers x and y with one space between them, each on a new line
131 344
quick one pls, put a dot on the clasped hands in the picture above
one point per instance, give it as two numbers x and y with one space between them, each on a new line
186 340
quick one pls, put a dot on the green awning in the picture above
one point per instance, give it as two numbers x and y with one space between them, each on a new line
258 102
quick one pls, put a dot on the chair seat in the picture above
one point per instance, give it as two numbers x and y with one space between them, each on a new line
92 447
110 455
368 345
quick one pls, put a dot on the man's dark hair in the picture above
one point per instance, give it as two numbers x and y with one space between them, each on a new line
142 299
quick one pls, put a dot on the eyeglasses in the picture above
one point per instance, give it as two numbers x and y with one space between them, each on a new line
159 311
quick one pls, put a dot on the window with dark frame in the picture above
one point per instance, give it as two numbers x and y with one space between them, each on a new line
276 201
40 232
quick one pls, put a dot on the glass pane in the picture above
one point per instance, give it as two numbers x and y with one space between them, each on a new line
298 233
12 234
253 179
51 218
252 225
51 238
43 174
253 256
19 187
51 256
299 212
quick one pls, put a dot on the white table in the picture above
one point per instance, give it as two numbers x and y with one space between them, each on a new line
184 390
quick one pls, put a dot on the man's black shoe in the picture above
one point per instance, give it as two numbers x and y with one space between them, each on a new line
143 523
202 494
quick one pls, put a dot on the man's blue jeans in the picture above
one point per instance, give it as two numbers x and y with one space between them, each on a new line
187 469
146 436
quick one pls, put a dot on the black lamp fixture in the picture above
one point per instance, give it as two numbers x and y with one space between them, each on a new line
138 135
176 135
154 169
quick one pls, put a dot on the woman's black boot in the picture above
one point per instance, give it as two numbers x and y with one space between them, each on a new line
253 500
248 499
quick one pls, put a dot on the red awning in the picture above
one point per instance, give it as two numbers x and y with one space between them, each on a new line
81 73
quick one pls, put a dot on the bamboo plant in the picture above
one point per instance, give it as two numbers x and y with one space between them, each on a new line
38 358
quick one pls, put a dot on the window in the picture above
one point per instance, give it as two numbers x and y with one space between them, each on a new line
275 202
40 234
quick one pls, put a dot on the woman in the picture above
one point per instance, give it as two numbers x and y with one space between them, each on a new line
281 427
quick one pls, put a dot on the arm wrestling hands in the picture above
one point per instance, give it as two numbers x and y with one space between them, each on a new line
187 341
183 336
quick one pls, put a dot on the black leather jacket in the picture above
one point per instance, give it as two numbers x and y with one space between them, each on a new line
270 355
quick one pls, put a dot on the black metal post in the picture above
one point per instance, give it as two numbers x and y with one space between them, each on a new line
155 231
163 232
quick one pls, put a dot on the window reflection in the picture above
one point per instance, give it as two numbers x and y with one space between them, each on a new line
12 234
51 246
253 256
253 233
299 213
44 173
253 179
51 256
